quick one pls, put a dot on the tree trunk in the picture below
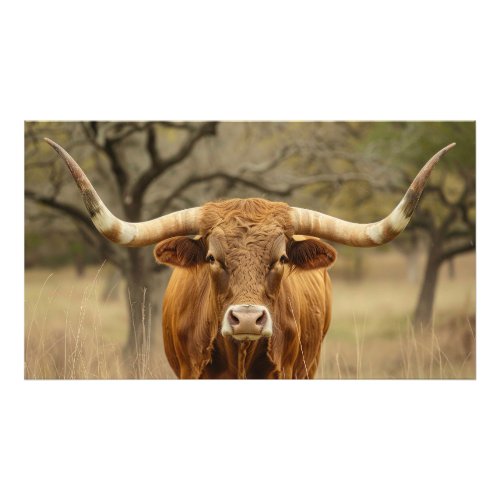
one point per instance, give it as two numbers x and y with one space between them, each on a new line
423 313
412 265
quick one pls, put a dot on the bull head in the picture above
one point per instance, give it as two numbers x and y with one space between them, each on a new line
248 247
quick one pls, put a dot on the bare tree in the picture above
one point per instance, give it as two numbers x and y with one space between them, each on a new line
450 232
109 141
445 220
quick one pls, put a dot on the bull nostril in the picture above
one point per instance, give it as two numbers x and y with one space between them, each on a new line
261 320
233 319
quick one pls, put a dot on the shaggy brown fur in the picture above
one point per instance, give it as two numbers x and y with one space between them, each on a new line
245 255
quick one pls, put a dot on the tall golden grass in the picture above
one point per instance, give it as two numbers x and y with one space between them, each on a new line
75 328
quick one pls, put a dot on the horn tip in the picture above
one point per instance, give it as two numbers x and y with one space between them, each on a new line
51 143
447 148
441 153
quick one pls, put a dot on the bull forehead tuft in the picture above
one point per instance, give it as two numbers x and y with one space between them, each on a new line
251 215
249 242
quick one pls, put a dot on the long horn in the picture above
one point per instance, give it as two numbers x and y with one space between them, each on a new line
129 234
309 222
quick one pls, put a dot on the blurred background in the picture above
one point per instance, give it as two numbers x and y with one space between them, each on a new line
404 310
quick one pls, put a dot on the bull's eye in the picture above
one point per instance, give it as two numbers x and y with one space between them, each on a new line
283 259
211 259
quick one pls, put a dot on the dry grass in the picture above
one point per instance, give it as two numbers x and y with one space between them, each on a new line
371 335
75 328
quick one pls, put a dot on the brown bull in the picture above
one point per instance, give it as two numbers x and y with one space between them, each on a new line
249 296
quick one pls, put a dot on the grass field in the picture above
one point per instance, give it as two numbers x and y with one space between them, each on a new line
76 327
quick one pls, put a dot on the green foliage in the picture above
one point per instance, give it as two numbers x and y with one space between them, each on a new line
57 249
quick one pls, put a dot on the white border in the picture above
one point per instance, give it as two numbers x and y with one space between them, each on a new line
255 60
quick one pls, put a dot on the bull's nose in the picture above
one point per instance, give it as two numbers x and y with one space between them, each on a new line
247 322
249 319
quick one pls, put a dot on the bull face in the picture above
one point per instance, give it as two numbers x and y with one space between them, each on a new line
246 264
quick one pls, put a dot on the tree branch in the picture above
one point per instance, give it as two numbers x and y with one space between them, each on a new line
458 234
83 222
282 155
336 180
151 146
440 193
61 207
119 172
108 148
106 250
145 180
125 132
192 181
179 125
470 246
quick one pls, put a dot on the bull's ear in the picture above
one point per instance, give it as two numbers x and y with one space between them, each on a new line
180 251
310 254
